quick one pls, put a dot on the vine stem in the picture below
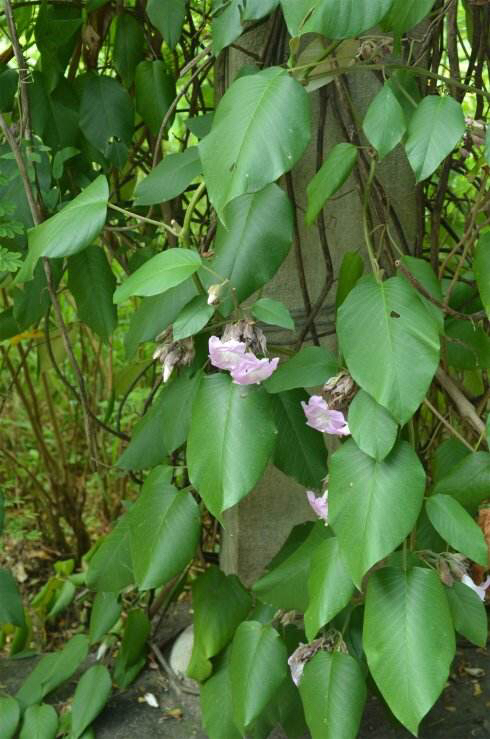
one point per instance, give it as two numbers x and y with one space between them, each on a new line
365 211
185 234
144 219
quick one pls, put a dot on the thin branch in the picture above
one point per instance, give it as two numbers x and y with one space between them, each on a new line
463 405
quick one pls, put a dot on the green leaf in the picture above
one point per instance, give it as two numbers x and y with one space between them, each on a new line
8 88
468 481
129 43
468 612
260 130
105 613
372 427
59 159
200 125
106 114
9 717
258 666
403 15
168 17
448 455
63 600
254 10
53 670
373 505
216 703
335 21
330 587
487 146
110 569
155 93
468 346
350 272
381 327
226 23
256 241
147 447
434 130
214 626
56 237
169 178
423 273
273 312
311 366
132 655
225 466
177 402
192 318
285 584
164 527
91 695
300 451
333 692
384 123
481 268
11 610
40 722
160 273
408 640
457 527
92 283
333 173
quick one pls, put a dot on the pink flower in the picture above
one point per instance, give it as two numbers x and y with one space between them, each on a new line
252 371
225 354
480 590
321 418
319 505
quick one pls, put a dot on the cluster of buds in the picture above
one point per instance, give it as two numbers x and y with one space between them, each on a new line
339 391
215 292
331 642
474 136
455 567
374 50
249 333
172 353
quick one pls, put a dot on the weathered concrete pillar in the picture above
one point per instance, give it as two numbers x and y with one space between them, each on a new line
257 527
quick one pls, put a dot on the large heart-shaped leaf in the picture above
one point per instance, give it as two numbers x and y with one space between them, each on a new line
384 124
333 691
155 93
405 14
11 609
468 612
434 130
330 586
382 327
129 43
9 717
57 236
300 451
408 639
110 569
481 268
214 626
164 528
255 242
260 130
52 671
258 666
169 178
334 171
91 695
105 613
457 527
373 505
92 284
333 19
40 722
216 703
226 464
168 16
160 273
468 481
372 427
311 366
285 584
